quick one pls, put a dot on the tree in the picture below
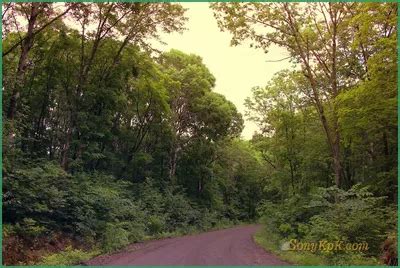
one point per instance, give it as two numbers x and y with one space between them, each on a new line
196 112
37 16
135 23
288 135
367 118
317 37
239 175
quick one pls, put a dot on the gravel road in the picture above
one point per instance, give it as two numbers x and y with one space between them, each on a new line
233 246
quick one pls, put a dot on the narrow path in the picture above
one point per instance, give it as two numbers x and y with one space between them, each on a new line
233 246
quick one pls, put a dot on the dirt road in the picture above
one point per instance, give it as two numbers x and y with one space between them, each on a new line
234 246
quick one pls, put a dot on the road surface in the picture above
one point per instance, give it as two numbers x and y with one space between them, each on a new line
233 246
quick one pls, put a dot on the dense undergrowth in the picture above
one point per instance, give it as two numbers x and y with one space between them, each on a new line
333 216
84 215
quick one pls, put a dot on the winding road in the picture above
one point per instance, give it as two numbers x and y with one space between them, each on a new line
233 246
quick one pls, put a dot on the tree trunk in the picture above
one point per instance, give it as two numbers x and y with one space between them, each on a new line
386 151
172 163
337 165
332 133
292 176
333 142
26 46
65 151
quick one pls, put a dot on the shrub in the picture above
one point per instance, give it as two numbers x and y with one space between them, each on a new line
8 230
210 218
224 223
355 216
285 229
115 237
103 200
156 224
333 214
136 230
30 227
180 212
36 196
68 257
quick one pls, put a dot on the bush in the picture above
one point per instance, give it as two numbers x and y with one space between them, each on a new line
29 227
8 230
179 211
333 214
115 237
285 229
96 207
136 230
207 219
156 224
224 223
103 200
68 257
356 216
36 196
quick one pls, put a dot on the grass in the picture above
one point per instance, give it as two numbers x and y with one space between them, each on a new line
69 256
271 242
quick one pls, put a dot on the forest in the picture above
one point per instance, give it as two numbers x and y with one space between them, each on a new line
108 141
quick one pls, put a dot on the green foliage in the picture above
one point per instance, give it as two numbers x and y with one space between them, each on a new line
8 230
103 200
115 237
69 256
96 140
109 144
88 204
30 227
269 240
357 217
179 211
207 220
36 194
331 214
285 229
155 224
333 121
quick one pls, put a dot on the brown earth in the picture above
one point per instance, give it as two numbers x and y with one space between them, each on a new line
19 250
233 246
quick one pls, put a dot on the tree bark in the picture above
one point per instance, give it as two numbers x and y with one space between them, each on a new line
332 132
172 163
26 46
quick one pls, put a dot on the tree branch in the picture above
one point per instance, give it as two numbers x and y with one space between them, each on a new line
38 31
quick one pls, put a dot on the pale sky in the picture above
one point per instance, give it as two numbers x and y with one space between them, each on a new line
236 69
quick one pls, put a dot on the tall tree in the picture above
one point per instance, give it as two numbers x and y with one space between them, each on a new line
36 17
284 115
189 79
316 36
135 23
196 112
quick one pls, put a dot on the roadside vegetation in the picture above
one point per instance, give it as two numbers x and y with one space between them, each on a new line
108 142
329 126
